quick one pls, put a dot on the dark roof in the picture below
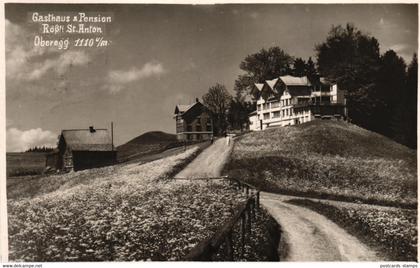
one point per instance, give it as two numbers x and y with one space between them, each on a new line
85 140
299 91
182 108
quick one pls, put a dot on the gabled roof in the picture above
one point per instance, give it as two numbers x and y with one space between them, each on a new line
259 86
85 140
183 108
271 83
289 80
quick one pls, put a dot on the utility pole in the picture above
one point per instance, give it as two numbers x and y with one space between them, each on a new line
112 135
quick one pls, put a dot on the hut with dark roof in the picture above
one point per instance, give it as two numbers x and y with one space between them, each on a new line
83 149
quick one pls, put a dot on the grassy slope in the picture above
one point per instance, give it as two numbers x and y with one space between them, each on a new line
124 212
29 163
327 159
146 144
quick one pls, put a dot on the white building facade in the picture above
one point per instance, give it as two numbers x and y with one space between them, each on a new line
290 100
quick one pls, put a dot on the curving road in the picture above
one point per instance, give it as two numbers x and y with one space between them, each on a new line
310 236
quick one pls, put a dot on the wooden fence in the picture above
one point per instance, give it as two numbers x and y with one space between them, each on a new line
245 214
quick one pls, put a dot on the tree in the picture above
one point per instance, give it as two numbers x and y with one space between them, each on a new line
261 66
411 103
390 86
217 100
299 67
351 58
239 109
404 123
310 70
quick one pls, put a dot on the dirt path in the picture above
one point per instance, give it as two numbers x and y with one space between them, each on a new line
312 237
210 162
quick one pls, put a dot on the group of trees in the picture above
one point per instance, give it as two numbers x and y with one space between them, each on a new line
227 111
381 89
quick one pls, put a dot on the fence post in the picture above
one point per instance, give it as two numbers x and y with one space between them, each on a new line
258 199
229 246
242 235
253 208
248 210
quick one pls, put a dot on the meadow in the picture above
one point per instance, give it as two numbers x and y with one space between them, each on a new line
119 213
25 164
327 159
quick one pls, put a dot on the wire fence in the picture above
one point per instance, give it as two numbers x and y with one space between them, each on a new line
222 242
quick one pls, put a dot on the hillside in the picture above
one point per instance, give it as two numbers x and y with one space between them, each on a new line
327 159
148 143
28 163
118 213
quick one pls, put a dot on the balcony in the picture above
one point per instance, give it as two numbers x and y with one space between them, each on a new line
321 93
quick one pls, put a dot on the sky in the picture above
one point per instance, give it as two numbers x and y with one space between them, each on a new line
160 56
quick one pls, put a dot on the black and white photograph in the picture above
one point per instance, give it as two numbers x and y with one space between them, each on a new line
229 132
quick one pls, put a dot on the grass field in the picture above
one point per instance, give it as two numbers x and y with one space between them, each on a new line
392 231
124 212
149 143
24 164
327 159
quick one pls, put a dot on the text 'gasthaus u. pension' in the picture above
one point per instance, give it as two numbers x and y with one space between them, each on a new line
62 30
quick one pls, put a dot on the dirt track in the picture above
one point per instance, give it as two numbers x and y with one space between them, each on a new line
312 237
210 162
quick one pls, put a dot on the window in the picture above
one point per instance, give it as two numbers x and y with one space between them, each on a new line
276 114
265 107
267 116
275 104
189 127
259 107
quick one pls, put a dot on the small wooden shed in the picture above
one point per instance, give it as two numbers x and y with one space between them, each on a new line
83 149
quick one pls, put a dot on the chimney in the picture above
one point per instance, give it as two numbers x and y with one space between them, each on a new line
92 129
196 100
